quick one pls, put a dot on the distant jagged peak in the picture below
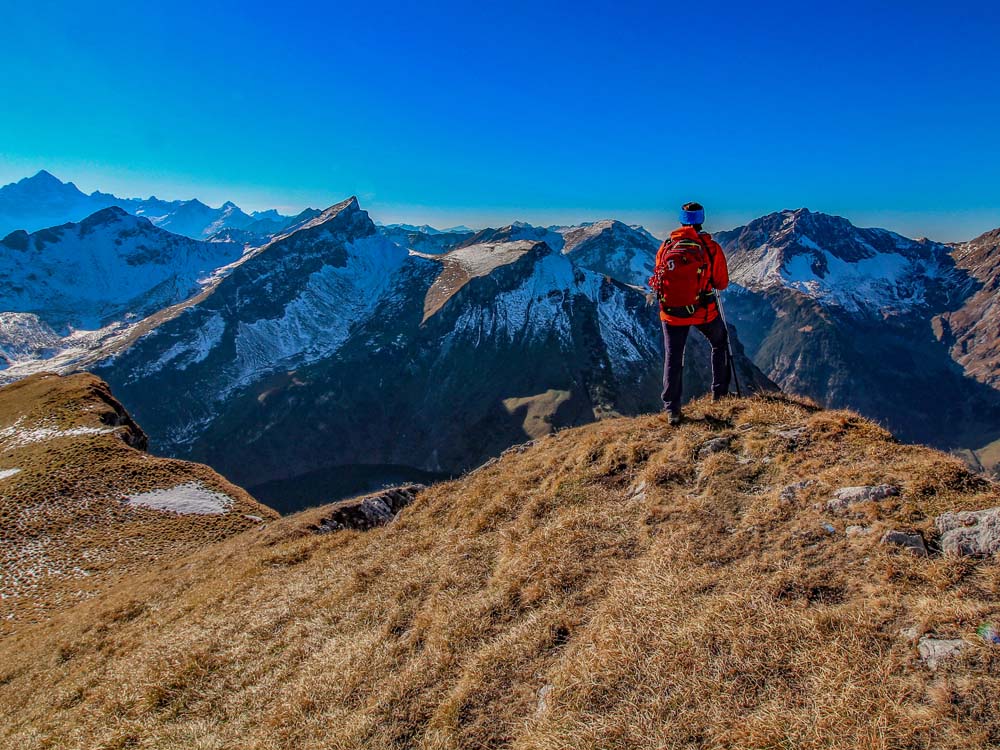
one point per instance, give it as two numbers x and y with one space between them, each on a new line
43 177
516 231
330 230
348 209
194 203
43 183
611 230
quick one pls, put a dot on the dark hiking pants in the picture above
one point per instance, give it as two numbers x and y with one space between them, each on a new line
674 339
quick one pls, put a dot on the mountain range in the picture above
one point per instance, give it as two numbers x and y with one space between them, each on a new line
43 201
425 362
767 573
420 353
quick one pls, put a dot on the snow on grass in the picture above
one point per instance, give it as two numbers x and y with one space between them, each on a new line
4 473
187 498
17 435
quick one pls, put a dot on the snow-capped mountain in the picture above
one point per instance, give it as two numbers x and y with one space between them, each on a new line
64 286
43 201
194 219
104 268
260 231
332 346
864 271
612 248
852 317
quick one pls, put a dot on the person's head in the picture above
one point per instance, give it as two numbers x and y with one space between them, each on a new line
693 214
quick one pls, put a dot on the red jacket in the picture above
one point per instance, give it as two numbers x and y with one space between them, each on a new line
718 278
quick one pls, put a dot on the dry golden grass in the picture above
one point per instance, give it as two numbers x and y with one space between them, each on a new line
545 602
65 531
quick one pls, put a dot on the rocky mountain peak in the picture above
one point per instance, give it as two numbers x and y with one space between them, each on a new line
612 248
828 258
340 222
108 215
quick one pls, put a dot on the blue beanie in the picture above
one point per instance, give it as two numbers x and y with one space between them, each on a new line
693 217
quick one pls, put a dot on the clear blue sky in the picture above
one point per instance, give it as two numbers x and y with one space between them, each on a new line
481 113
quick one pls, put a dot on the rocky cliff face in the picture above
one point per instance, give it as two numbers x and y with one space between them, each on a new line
972 332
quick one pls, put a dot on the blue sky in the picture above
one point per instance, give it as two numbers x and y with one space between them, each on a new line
550 112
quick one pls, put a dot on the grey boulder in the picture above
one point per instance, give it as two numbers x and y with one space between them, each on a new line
970 533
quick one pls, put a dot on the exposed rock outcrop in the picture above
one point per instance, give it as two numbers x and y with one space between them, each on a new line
368 512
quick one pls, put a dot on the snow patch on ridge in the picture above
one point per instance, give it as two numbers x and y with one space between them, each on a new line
5 473
460 266
190 498
532 310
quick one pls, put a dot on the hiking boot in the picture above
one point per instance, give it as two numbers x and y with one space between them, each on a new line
674 418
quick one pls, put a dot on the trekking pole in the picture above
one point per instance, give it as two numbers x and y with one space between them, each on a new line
729 342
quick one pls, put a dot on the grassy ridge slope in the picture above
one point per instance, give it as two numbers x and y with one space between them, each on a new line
70 456
620 584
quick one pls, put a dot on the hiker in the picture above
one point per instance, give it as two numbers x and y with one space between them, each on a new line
690 268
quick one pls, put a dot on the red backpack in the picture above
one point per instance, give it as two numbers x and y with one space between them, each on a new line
682 273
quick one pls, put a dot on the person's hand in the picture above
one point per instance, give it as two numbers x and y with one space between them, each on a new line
650 299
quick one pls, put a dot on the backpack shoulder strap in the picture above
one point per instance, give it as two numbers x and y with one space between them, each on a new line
711 258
